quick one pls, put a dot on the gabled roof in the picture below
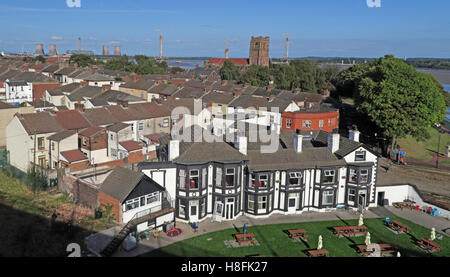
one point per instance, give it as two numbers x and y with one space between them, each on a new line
117 127
121 182
247 101
39 123
51 68
65 70
61 135
155 110
120 113
33 77
86 91
91 131
71 120
189 92
142 84
99 116
73 156
115 95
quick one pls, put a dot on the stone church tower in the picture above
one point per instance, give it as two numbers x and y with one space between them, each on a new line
259 51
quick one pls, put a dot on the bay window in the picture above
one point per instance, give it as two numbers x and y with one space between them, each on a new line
262 202
352 195
353 175
263 181
251 202
182 179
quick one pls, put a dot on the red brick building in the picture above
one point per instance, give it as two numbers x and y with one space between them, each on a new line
324 118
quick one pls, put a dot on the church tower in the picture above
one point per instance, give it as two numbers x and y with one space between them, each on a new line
259 51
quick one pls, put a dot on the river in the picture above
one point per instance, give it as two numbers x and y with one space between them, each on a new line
185 64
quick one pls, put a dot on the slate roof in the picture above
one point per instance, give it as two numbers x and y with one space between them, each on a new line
91 131
142 84
200 152
118 127
189 92
51 68
99 116
39 123
65 70
86 91
71 120
33 77
121 182
218 97
60 135
247 101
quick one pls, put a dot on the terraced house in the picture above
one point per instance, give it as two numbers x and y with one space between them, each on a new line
308 171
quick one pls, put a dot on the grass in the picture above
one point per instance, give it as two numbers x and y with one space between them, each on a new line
276 243
424 150
26 227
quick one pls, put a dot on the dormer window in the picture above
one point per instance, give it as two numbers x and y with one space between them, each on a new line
360 156
328 176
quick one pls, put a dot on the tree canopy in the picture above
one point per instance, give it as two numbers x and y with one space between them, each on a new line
229 71
397 98
143 65
81 60
256 75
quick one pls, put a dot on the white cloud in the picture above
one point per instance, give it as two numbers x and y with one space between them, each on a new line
56 38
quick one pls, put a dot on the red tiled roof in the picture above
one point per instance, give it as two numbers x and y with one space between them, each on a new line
71 120
74 156
222 60
130 145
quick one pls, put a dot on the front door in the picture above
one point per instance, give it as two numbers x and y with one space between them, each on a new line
229 209
381 198
292 204
361 201
193 216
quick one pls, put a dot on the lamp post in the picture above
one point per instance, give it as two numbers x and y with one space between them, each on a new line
437 152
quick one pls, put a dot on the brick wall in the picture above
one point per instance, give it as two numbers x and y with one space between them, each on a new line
111 201
97 142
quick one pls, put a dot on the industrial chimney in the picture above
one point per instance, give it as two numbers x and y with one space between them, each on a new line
105 50
79 45
39 49
117 51
52 51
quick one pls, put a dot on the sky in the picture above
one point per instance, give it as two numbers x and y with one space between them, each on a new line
196 28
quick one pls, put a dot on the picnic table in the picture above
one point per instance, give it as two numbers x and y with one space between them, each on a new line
245 238
318 253
384 248
406 204
429 245
398 226
350 230
297 233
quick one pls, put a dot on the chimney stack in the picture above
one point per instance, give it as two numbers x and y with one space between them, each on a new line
353 134
298 142
117 51
105 50
84 83
333 142
271 98
52 51
174 149
40 49
241 144
106 88
79 107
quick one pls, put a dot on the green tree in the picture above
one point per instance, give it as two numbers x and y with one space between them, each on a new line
39 59
285 77
398 100
256 75
81 60
346 81
229 71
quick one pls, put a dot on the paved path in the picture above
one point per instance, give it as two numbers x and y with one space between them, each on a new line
441 224
207 226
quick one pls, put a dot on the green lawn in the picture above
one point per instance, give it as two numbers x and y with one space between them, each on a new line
424 150
275 243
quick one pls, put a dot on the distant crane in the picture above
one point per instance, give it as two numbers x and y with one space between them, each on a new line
226 49
160 44
286 46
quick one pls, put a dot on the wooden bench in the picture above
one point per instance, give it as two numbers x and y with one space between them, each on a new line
350 230
245 238
385 248
398 226
298 233
429 245
318 253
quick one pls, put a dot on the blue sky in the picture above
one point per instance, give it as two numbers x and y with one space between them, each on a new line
412 28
